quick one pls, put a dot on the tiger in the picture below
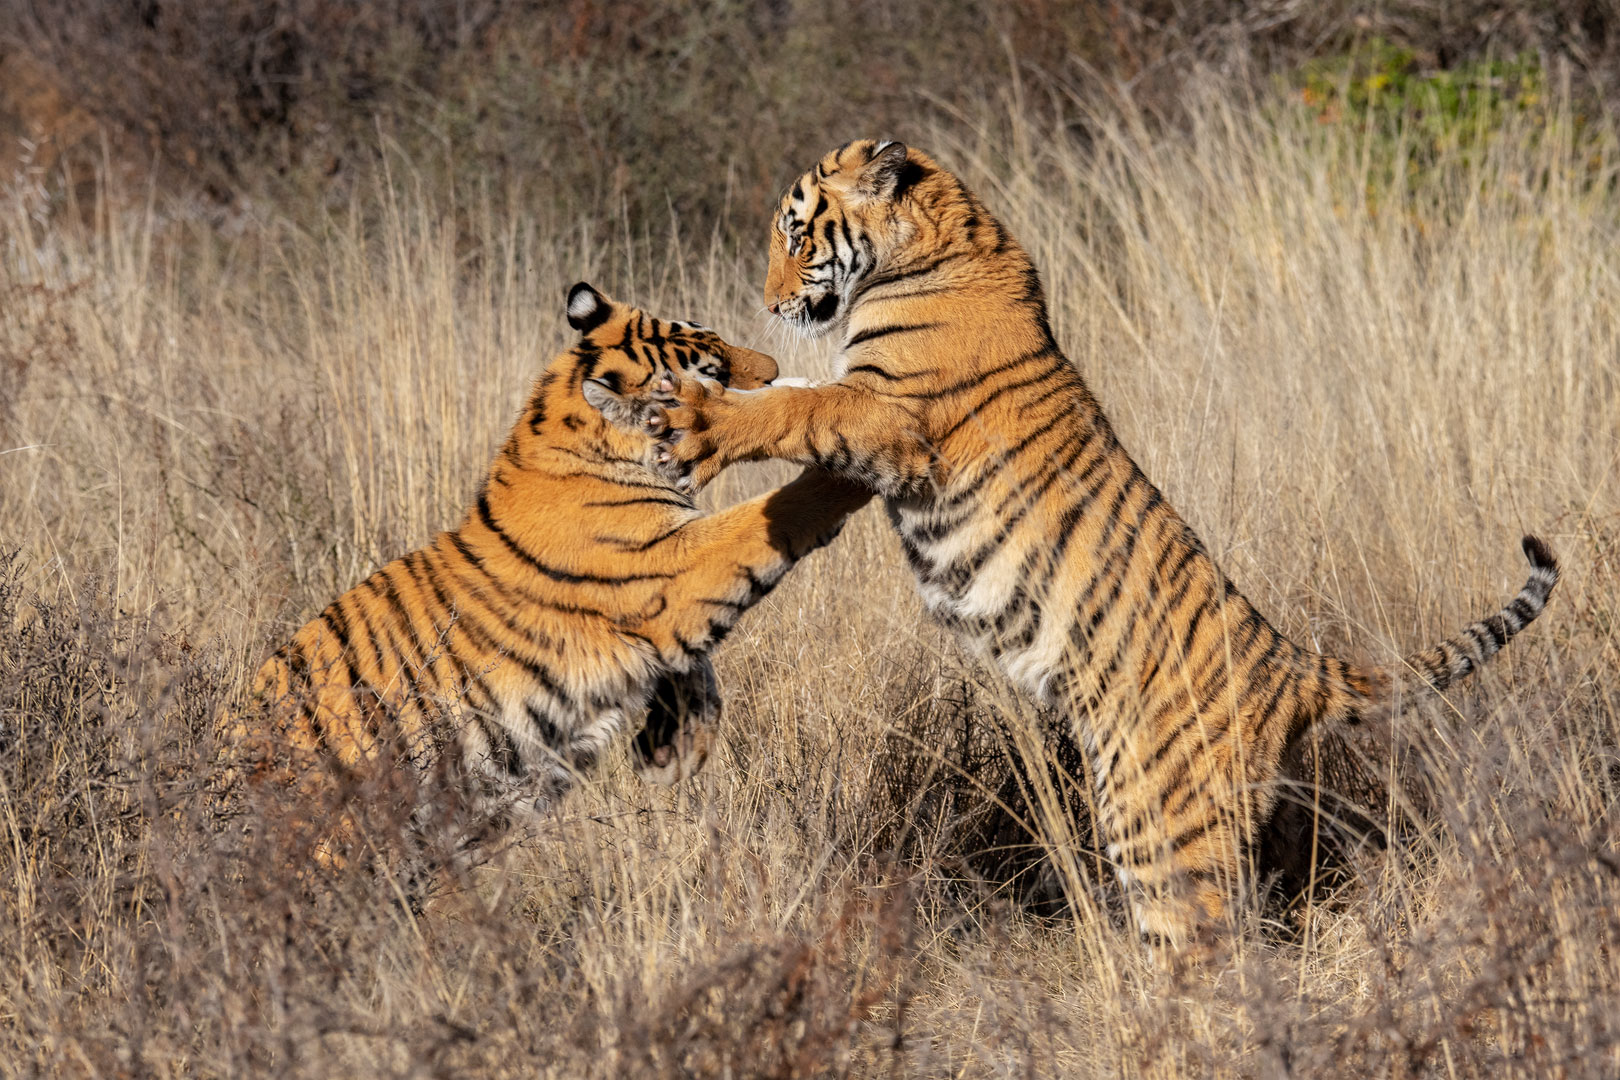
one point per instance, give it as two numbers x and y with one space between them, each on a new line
1031 531
580 591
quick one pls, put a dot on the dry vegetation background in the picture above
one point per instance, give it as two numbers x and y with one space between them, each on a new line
1362 354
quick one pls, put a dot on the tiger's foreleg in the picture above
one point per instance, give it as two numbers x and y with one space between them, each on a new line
867 438
731 559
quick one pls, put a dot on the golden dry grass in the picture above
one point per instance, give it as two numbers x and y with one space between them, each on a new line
1359 391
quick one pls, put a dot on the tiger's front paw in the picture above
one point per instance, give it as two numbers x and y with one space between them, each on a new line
689 451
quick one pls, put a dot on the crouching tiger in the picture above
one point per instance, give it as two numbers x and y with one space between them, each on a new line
1030 529
580 592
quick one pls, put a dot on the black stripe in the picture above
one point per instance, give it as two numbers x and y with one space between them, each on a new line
1250 621
978 378
407 645
1100 459
849 237
535 668
889 376
1004 457
1210 678
1191 833
470 681
614 481
1123 557
564 576
1181 581
1050 472
1268 711
1071 517
379 657
884 331
549 733
339 628
1439 672
633 545
894 277
734 605
429 588
757 589
516 595
972 411
502 750
481 638
1194 715
466 552
649 500
1497 627
490 642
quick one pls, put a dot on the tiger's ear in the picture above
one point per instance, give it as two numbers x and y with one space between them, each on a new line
587 308
597 395
888 173
614 407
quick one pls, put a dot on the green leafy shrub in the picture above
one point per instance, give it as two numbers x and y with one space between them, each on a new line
1417 118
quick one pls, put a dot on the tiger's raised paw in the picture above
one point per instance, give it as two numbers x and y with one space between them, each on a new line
688 450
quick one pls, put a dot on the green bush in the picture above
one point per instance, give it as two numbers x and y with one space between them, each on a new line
1417 118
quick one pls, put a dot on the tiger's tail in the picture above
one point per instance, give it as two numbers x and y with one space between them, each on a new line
1385 691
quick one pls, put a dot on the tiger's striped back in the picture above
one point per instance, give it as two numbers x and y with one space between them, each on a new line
1030 529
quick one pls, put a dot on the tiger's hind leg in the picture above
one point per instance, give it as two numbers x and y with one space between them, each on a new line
1175 831
1180 893
681 722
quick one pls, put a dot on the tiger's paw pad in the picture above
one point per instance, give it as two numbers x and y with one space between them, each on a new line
655 420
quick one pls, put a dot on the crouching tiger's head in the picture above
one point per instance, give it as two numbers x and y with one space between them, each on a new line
604 396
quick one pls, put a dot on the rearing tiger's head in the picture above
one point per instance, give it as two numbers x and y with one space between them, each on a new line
854 214
597 394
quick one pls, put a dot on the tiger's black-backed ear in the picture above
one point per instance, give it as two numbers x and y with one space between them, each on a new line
606 395
888 174
587 308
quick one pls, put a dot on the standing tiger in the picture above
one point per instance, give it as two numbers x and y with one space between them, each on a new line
1030 529
581 590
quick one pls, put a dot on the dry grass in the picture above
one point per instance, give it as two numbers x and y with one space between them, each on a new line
1359 399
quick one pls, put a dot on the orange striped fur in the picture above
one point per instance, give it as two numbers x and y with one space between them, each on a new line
1031 530
581 592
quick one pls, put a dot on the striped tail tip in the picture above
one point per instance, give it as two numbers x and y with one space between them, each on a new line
1541 557
1460 656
